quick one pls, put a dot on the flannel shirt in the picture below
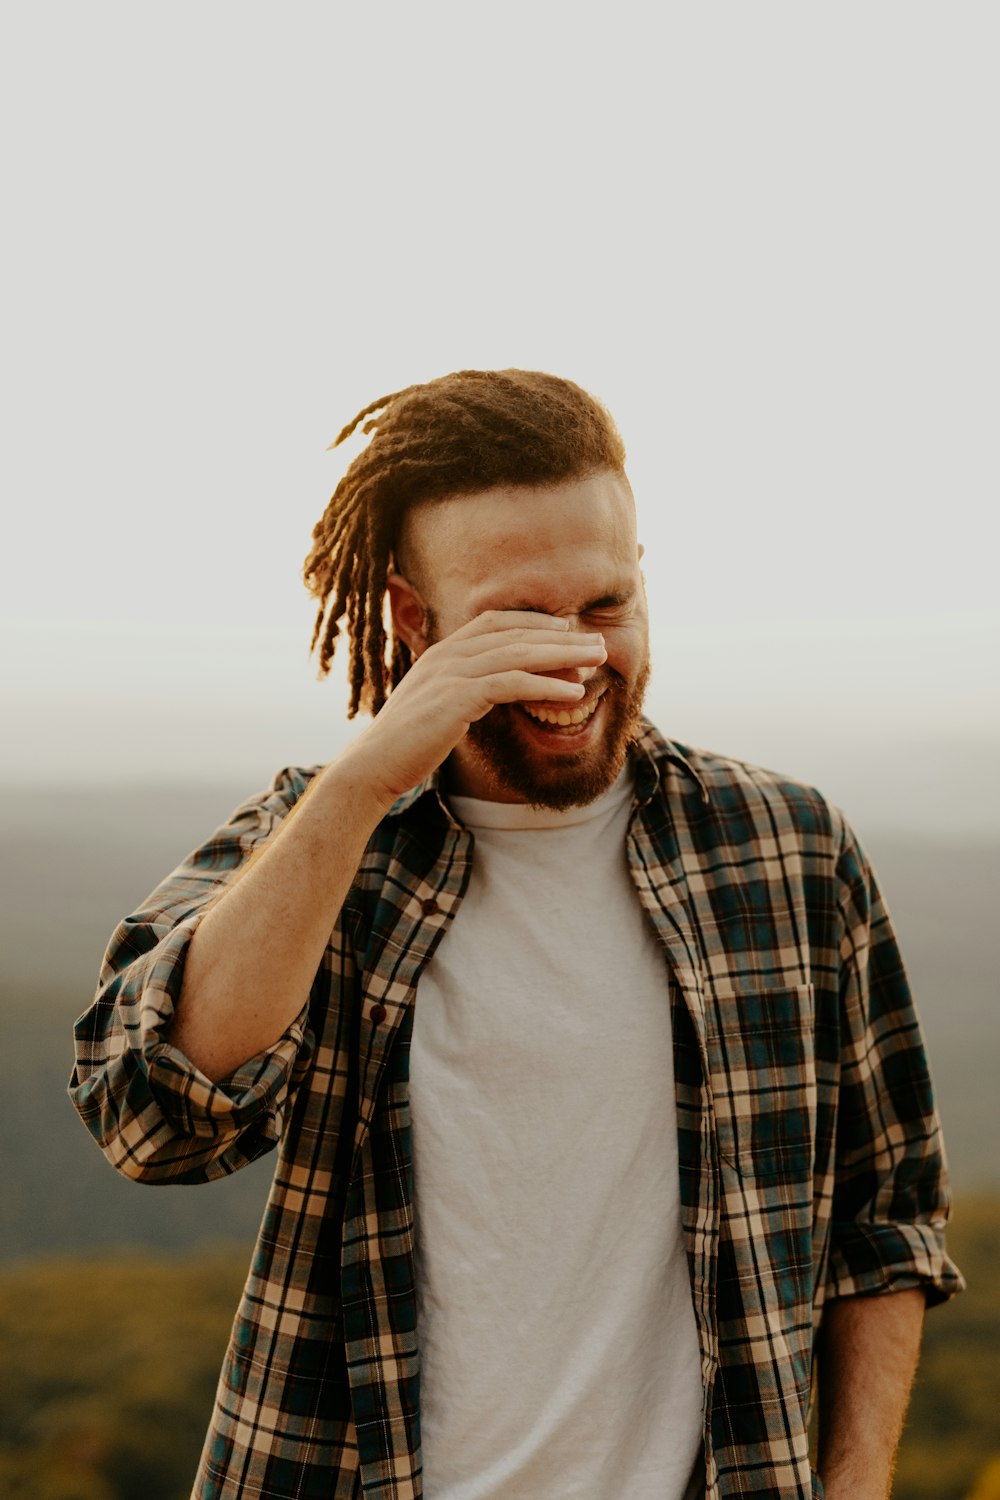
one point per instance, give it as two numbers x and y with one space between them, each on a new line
811 1160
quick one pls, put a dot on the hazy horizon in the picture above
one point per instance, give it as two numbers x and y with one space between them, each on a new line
929 784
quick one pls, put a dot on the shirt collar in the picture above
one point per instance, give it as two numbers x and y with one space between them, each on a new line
648 750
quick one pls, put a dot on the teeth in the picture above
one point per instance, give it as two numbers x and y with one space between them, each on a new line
563 717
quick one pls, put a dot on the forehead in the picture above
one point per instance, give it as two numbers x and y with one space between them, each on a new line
540 548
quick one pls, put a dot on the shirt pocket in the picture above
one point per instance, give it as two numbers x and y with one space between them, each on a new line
763 1079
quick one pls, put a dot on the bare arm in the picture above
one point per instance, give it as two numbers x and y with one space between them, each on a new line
253 958
868 1356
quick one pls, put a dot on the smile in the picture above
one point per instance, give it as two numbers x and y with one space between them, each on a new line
562 718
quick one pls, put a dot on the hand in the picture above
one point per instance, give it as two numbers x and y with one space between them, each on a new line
499 657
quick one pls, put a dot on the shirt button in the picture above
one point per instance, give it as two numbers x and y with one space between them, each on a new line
377 1014
429 907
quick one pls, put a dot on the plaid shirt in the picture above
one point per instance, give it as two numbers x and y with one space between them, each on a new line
811 1160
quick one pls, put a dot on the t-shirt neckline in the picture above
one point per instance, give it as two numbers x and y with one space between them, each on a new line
477 812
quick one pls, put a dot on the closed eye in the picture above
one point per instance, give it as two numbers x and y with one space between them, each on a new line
606 604
611 606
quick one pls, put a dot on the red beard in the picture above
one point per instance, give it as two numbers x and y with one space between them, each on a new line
551 778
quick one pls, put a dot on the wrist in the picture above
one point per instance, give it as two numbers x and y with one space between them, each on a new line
855 1481
351 782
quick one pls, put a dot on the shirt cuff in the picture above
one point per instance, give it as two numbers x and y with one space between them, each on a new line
866 1259
194 1104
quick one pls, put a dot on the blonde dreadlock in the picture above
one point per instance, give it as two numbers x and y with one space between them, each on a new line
458 435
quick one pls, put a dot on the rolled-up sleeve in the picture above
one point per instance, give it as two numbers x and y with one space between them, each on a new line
891 1199
156 1116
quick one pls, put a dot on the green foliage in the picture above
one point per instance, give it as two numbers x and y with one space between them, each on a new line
109 1367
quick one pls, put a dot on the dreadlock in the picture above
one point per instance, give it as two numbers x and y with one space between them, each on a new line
458 435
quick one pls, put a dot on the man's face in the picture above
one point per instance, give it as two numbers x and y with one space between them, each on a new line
568 550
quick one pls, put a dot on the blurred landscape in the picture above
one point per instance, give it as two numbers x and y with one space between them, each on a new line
116 1300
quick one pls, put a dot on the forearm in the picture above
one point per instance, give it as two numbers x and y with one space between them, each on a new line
869 1348
254 956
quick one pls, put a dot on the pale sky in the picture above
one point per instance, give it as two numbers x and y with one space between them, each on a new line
766 236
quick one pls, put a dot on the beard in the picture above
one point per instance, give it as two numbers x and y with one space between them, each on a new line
571 778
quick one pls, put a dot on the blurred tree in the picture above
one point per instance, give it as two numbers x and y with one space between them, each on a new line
109 1368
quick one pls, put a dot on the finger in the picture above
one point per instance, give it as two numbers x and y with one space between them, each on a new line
519 638
510 619
536 656
525 687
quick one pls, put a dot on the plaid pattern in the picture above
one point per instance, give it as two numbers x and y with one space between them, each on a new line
810 1154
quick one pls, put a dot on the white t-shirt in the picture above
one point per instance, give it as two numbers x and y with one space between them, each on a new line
559 1354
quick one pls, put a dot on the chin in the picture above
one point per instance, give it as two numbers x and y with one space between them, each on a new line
525 764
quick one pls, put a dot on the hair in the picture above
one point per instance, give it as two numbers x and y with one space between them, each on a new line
458 435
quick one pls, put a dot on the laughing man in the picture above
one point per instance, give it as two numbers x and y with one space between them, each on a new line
601 1108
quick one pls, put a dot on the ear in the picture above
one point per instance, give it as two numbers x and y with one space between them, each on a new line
409 613
642 552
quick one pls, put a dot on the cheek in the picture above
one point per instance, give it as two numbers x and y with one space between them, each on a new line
627 648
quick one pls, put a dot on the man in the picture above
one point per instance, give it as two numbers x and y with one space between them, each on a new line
600 1101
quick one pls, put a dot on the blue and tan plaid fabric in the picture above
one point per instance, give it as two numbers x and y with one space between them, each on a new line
810 1154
